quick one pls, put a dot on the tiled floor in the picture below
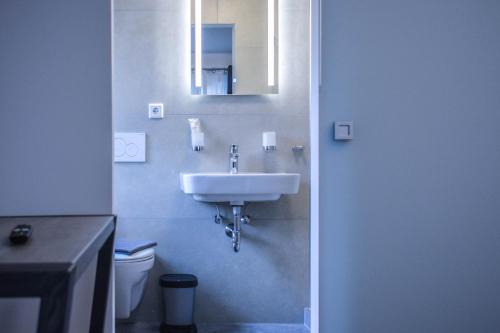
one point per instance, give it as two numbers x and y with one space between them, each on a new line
219 328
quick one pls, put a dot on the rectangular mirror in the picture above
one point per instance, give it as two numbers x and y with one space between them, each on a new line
234 47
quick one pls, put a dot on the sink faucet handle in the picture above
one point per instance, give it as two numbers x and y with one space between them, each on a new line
233 159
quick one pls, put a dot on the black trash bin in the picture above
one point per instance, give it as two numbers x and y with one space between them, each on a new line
178 300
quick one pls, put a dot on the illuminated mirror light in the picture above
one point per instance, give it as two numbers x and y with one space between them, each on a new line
198 50
270 42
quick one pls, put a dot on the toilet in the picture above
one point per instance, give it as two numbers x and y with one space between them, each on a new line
131 275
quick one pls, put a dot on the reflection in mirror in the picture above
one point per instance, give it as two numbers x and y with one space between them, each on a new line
217 63
234 47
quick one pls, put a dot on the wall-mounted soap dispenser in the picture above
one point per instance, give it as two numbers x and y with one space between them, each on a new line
269 141
197 136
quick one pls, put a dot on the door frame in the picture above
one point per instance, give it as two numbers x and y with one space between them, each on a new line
314 85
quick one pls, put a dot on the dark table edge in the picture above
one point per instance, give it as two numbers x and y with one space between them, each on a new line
94 249
103 283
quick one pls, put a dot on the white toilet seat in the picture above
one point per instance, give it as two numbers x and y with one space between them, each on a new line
138 256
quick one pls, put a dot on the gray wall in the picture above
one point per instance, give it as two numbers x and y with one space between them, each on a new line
268 281
410 209
55 107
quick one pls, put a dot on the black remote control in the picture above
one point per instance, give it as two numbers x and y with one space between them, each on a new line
20 234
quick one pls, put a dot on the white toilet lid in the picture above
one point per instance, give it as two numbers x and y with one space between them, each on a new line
138 256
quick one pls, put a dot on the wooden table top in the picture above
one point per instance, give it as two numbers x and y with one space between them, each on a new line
57 242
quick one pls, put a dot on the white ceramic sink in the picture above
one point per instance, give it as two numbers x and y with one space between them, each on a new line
239 188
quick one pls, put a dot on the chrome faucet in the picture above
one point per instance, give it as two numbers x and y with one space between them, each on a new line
233 159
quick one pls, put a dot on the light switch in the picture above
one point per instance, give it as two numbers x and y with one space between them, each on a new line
130 147
344 130
155 111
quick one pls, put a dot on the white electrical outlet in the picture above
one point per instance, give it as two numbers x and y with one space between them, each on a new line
155 111
130 147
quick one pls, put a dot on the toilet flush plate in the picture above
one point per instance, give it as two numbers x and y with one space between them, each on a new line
130 147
